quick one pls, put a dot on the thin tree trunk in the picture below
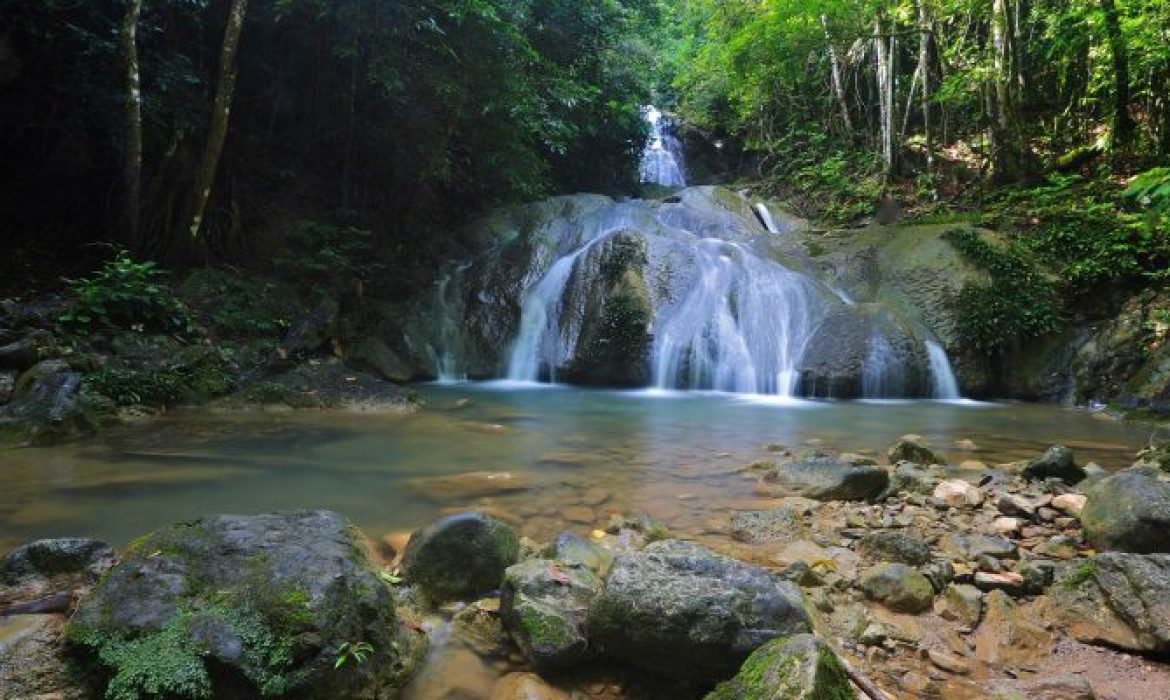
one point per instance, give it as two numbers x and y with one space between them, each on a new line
1123 124
1009 161
924 22
221 111
133 165
838 83
885 86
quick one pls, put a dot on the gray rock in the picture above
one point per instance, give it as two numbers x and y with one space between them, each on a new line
1016 506
972 546
571 547
460 556
275 600
1056 463
680 609
899 587
912 478
311 331
800 667
895 547
913 448
1129 512
47 405
827 478
544 604
765 526
1053 688
44 559
964 603
27 351
1118 600
1038 574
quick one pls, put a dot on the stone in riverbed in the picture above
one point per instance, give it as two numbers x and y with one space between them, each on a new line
468 486
765 526
32 567
964 603
957 493
34 664
899 587
1057 462
260 605
1129 512
1053 688
1117 599
680 609
1070 503
526 686
827 478
913 448
894 547
571 547
544 604
912 478
800 667
969 546
460 556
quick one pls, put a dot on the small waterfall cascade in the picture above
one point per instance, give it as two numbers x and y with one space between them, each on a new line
742 327
882 373
445 356
766 218
661 159
944 385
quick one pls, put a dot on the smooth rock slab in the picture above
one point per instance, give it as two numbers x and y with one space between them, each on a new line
974 546
680 609
799 667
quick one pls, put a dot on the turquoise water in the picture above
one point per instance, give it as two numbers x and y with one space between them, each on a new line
573 456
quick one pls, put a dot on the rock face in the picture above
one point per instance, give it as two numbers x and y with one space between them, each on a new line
47 404
799 667
543 604
680 609
1129 511
233 606
864 350
1119 600
460 556
828 478
1056 463
899 587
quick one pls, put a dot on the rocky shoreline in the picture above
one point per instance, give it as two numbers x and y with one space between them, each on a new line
918 578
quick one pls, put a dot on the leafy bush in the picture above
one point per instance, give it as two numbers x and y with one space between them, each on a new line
200 374
126 294
324 258
1018 303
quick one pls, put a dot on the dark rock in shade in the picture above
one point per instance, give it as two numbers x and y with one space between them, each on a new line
544 604
1117 599
310 332
47 404
243 607
33 566
1129 512
800 667
895 547
913 448
460 556
27 351
827 478
680 609
374 356
1057 462
7 385
571 547
899 587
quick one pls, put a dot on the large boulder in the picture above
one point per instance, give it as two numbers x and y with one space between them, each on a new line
914 449
247 606
826 477
800 667
544 604
1117 599
1129 511
680 609
47 405
899 587
460 556
1057 462
49 565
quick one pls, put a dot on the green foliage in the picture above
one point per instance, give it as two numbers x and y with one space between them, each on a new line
126 294
357 652
1081 575
325 259
1018 303
166 664
196 375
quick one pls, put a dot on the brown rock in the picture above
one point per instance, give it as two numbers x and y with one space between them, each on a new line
526 686
470 485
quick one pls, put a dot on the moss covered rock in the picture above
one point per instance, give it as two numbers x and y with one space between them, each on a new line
460 556
1129 511
276 605
899 587
799 667
544 604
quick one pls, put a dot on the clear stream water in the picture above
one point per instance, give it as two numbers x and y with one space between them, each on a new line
582 455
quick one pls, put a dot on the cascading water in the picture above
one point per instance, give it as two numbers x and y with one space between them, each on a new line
944 385
445 356
766 218
661 164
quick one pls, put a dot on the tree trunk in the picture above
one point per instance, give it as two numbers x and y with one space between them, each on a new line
1123 124
885 85
838 83
924 23
133 164
1009 158
220 111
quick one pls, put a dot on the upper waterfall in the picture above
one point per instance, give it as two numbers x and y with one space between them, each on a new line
662 157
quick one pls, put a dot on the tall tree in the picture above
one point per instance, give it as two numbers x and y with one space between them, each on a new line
1123 124
133 107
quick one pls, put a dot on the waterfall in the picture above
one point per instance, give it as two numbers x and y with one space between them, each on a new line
882 374
445 357
766 218
660 159
943 382
742 326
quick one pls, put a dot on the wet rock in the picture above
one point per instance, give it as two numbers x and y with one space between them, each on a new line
33 663
374 356
47 405
765 526
571 547
1007 636
479 627
1117 599
899 587
957 493
1054 688
1070 503
800 667
33 567
27 351
544 604
963 603
913 448
894 547
680 609
826 478
970 546
468 486
261 604
526 686
1056 463
1129 512
460 556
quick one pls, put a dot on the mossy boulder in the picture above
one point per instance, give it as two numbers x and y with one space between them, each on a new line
678 608
543 604
1129 511
895 547
243 607
460 556
1057 462
800 667
899 587
913 448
